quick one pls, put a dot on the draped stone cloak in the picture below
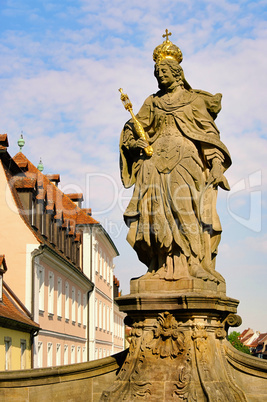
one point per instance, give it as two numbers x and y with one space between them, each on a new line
172 205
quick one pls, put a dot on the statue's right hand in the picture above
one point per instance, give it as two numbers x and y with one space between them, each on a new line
140 143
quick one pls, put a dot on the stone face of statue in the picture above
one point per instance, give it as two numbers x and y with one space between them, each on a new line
164 76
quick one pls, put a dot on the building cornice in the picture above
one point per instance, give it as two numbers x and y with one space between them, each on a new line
99 230
103 295
65 267
98 341
61 335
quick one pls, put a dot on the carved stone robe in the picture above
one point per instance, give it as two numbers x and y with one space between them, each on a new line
172 207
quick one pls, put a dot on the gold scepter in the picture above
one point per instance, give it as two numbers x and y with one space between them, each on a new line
137 125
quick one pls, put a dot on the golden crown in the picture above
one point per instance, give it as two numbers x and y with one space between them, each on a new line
167 50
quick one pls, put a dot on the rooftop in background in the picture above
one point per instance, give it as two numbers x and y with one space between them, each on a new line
13 314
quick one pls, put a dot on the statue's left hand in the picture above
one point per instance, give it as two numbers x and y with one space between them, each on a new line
216 177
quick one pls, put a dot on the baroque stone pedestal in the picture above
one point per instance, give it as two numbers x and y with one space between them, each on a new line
176 345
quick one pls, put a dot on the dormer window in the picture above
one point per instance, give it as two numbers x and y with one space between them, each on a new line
43 219
51 229
77 254
59 236
33 210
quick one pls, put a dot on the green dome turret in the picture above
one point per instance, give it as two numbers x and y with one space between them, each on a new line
40 166
21 142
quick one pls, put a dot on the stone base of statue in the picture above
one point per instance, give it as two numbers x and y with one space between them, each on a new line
178 343
151 284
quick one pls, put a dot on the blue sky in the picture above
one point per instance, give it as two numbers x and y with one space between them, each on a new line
62 63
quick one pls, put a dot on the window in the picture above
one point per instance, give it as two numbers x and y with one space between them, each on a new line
41 287
96 313
111 276
84 309
40 354
108 317
59 297
72 354
79 297
96 353
43 218
77 251
33 211
58 355
108 271
67 302
111 319
66 354
8 341
84 354
52 224
73 305
104 317
99 261
22 354
104 352
51 293
100 314
78 354
49 354
104 267
101 264
100 353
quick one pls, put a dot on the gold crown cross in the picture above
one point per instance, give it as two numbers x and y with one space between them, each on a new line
166 35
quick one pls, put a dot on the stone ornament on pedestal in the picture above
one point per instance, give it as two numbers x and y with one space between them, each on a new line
178 310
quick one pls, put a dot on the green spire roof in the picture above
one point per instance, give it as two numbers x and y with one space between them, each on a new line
40 165
21 142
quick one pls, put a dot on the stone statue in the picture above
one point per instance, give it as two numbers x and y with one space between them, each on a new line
172 218
178 311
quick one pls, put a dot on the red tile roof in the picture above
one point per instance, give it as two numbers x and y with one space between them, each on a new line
3 140
116 281
244 333
246 338
23 175
262 338
53 177
254 343
88 211
55 197
75 196
63 208
21 182
12 315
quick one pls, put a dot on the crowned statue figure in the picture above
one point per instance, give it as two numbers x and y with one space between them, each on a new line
173 223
